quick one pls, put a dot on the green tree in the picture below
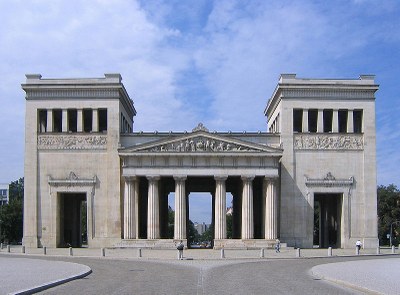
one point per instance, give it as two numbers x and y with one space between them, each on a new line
17 189
388 212
171 222
193 235
11 214
11 221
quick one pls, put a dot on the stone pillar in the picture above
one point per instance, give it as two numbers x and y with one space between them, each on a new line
335 121
305 120
220 208
130 195
247 208
95 120
153 214
49 121
64 120
79 124
180 208
271 208
350 122
320 119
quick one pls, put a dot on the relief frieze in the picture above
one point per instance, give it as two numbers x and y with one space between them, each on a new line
200 144
72 142
328 142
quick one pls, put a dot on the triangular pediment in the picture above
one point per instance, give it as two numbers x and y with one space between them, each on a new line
200 141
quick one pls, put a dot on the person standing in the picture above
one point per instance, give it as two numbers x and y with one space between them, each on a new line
278 246
180 248
358 245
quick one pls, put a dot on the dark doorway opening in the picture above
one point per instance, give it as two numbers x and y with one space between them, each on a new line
327 220
73 220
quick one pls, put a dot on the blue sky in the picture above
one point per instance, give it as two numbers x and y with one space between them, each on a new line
185 62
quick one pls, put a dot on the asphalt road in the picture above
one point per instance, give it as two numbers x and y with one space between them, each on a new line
286 276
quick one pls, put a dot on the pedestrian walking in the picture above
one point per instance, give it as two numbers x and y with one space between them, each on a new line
358 245
180 247
278 246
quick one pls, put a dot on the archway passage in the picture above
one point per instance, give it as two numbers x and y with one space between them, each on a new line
327 219
73 219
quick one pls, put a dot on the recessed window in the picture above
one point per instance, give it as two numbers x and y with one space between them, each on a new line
357 121
72 120
87 120
57 121
297 120
312 120
42 121
102 120
342 116
328 116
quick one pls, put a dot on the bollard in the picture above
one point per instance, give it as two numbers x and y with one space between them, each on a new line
177 255
393 250
23 249
70 251
44 250
330 251
8 248
1 246
298 252
139 253
357 251
222 253
378 250
262 253
103 252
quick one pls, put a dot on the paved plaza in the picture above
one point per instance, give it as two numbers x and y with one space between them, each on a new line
147 271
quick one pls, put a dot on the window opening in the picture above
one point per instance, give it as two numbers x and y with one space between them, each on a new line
342 114
357 120
297 120
72 120
42 124
57 120
87 120
102 120
328 116
312 120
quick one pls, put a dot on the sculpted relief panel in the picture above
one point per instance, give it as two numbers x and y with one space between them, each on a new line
328 142
199 144
72 142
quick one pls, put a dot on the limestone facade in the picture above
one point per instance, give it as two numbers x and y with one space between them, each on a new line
311 179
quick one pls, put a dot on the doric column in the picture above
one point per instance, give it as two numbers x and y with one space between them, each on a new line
131 193
220 208
49 121
180 208
271 208
305 120
64 120
79 118
350 122
335 121
153 214
247 208
320 120
95 120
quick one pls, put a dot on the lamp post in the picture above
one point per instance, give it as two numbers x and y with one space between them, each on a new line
391 231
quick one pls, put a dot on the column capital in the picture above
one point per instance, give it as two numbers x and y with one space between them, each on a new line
247 177
129 178
220 177
153 177
180 177
271 179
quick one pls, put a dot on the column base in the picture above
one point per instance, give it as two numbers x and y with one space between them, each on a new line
30 242
245 244
153 244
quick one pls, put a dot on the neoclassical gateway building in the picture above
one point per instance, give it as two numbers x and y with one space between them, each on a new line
310 179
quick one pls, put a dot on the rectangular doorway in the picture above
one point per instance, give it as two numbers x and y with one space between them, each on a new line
327 219
73 220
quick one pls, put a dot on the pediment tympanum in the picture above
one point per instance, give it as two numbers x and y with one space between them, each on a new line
200 141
